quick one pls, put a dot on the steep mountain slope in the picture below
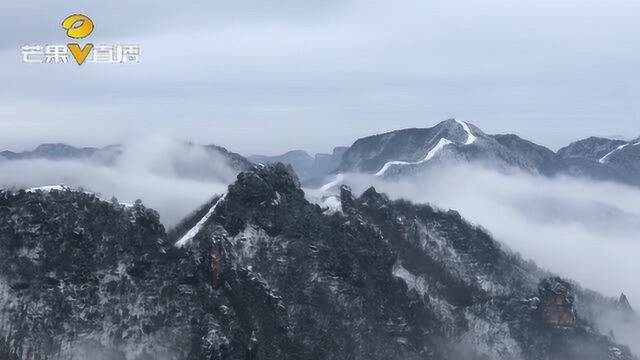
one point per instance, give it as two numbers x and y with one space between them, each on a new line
451 141
305 166
445 286
265 274
593 148
82 278
607 159
405 152
538 157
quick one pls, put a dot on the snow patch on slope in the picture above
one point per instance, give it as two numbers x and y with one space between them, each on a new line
470 137
491 337
604 158
442 308
188 237
439 146
414 282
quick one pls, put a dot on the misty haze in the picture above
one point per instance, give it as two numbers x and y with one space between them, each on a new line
346 180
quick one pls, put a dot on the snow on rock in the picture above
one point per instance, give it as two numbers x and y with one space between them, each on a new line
439 146
248 241
48 188
604 158
470 137
442 308
490 337
332 203
414 282
188 237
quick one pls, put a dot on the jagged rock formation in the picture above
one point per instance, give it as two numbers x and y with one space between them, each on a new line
269 275
623 303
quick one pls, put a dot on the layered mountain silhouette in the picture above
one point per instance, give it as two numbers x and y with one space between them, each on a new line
108 155
409 151
261 273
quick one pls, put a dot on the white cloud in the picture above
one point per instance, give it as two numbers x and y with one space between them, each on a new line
580 229
169 176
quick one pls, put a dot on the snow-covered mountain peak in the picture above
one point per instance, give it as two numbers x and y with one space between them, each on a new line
470 137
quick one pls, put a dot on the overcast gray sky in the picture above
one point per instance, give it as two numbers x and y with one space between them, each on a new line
266 76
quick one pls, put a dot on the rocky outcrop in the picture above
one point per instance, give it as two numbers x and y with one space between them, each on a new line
624 305
557 304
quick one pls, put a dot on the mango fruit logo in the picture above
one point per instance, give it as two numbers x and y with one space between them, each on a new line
78 27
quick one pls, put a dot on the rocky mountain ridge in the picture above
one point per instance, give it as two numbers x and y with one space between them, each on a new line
269 275
409 151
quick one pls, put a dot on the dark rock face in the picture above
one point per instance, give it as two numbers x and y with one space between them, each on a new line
623 304
269 276
557 305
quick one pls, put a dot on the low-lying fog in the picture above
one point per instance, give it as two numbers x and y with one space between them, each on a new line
172 177
583 230
580 229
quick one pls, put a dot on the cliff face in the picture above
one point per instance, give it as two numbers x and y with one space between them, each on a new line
557 305
268 275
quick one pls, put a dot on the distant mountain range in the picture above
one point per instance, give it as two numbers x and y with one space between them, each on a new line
307 167
108 155
105 155
409 151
